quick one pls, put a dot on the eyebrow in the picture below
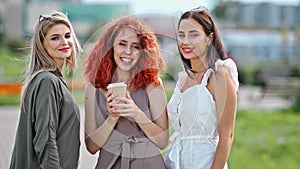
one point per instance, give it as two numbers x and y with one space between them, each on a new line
191 31
57 34
125 41
53 35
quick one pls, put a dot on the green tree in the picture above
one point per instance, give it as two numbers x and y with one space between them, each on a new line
224 10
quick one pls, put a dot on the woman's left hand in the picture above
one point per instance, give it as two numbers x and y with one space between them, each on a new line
127 108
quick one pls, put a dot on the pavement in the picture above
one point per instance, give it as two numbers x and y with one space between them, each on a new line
9 117
252 98
249 98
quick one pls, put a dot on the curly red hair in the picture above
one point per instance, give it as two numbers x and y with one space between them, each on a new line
100 66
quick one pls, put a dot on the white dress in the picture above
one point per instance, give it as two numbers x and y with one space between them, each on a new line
192 114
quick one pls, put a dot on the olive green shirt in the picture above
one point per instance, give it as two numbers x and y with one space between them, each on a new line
48 132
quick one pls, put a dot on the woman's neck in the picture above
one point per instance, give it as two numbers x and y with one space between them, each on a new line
59 64
199 65
121 76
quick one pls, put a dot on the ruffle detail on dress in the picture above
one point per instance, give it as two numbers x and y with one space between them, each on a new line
230 64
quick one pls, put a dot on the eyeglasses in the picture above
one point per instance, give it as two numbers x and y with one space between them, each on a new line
200 9
42 17
46 16
207 14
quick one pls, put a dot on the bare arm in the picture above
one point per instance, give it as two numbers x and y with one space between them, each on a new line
96 137
156 130
226 101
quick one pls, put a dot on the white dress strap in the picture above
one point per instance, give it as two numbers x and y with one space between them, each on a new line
206 76
181 79
183 75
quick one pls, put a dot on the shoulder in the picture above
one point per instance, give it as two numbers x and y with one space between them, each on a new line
156 95
225 65
226 69
221 76
45 78
44 84
221 71
152 86
89 89
182 74
45 75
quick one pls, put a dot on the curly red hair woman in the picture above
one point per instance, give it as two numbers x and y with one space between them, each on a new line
128 130
100 66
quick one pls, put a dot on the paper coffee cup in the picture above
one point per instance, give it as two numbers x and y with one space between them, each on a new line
118 88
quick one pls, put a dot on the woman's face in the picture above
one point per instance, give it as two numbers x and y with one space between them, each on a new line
192 40
127 49
58 43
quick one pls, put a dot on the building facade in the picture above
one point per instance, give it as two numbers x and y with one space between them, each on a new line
19 17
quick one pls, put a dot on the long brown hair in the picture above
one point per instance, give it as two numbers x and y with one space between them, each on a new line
216 50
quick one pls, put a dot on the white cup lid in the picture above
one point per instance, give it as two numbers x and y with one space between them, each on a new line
116 85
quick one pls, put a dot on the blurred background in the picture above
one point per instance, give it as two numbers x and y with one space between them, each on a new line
261 36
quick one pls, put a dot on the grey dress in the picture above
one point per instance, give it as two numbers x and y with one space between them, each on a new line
128 146
48 131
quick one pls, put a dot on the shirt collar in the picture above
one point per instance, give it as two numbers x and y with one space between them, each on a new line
59 75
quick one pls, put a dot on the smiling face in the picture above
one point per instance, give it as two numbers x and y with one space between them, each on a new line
58 43
127 49
192 40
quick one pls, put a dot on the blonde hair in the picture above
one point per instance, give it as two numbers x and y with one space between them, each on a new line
39 59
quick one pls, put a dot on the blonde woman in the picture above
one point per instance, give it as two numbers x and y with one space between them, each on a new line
48 130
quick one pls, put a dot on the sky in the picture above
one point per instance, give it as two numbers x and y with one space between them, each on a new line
173 6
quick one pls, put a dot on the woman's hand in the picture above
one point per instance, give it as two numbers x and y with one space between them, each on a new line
110 102
125 107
